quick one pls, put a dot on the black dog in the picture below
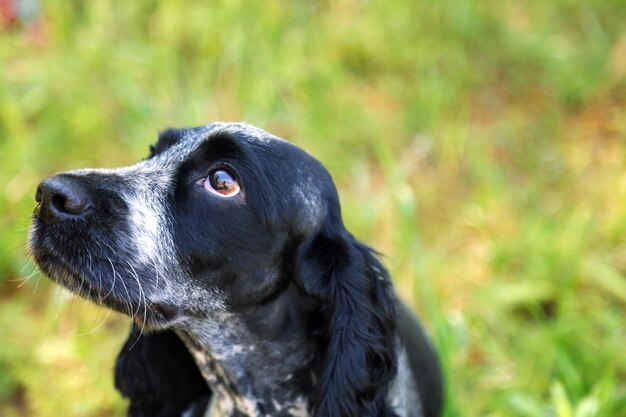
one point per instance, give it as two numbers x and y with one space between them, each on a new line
228 243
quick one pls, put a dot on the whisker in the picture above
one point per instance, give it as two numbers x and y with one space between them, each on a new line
113 283
156 284
139 288
23 280
142 296
58 303
100 299
99 325
127 300
127 297
37 284
27 264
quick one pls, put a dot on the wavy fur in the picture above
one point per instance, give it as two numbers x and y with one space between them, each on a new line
358 355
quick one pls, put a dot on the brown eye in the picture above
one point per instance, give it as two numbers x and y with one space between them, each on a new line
221 183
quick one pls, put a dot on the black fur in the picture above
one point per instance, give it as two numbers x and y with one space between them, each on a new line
166 390
358 349
283 309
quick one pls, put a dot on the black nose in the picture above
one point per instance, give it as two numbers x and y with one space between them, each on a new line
61 197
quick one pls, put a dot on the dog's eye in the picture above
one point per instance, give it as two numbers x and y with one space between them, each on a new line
221 183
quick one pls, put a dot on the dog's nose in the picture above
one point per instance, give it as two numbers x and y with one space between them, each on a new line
60 197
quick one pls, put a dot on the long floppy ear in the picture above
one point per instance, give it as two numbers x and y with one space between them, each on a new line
158 375
357 357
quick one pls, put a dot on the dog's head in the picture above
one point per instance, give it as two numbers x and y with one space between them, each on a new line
221 218
201 225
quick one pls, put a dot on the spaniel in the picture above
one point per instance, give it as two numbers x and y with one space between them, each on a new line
248 295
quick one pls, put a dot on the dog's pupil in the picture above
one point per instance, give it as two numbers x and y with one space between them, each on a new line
222 181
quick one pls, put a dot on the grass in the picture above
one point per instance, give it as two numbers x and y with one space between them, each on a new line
480 144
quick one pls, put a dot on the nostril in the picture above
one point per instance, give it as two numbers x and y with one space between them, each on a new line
61 197
38 194
67 201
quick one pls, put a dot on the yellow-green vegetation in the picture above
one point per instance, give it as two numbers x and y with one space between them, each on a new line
480 144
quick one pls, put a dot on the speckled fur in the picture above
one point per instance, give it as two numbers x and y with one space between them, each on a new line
241 282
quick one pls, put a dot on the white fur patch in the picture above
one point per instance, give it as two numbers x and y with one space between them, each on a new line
402 396
300 408
309 197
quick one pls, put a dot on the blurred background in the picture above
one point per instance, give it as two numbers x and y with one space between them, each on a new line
479 144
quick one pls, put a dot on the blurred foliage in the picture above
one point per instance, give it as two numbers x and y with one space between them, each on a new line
480 144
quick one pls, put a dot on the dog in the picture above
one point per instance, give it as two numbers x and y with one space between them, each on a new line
249 297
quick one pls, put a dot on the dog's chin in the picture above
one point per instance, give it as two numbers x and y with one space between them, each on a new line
157 317
150 316
66 276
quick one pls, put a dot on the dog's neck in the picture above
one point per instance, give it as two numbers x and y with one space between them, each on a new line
251 375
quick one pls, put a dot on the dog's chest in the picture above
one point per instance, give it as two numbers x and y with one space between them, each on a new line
243 390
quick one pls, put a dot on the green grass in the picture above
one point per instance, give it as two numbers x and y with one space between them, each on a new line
480 145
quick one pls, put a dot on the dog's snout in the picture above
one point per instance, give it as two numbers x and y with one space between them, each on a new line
60 198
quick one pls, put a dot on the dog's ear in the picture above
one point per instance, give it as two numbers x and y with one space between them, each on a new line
357 360
167 138
158 375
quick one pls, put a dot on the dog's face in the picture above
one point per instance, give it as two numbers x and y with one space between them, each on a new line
207 223
227 225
